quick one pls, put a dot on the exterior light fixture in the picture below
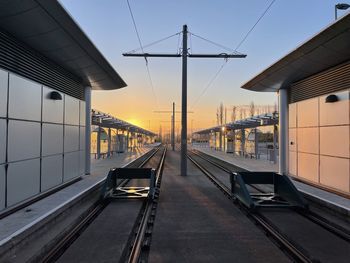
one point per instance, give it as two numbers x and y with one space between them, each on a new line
54 95
223 128
340 6
331 98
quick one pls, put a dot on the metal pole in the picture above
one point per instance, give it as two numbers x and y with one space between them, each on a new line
243 142
335 12
283 131
173 128
184 104
274 143
109 142
256 143
87 92
98 141
127 140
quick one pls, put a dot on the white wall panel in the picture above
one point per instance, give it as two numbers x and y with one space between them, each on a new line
24 99
336 113
71 110
292 139
292 118
308 140
23 180
23 140
2 187
2 140
71 166
293 168
82 113
3 92
82 163
82 138
335 141
334 172
52 139
307 111
71 138
51 171
308 166
52 109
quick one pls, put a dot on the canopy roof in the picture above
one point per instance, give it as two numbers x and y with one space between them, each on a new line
326 49
252 122
107 121
45 26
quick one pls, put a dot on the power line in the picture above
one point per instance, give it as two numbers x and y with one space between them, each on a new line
141 47
153 43
214 43
257 22
235 50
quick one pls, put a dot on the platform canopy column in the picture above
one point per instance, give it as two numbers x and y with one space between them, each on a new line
242 141
283 130
256 143
98 142
109 142
87 94
275 134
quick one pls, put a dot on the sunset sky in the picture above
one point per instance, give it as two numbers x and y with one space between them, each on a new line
109 25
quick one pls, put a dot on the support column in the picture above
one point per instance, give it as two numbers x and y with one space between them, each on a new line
256 143
87 93
173 129
234 143
242 142
275 134
283 131
98 141
127 140
220 140
109 142
184 104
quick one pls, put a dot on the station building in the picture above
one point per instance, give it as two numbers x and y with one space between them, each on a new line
48 67
313 83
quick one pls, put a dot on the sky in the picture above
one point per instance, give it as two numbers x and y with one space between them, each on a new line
108 24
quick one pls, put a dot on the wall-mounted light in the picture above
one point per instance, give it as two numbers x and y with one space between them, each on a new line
54 95
331 98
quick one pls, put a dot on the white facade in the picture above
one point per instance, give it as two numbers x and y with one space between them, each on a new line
42 141
319 134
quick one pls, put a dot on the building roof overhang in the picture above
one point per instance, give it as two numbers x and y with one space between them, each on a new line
328 48
45 26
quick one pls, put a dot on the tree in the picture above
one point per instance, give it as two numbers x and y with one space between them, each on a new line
234 114
252 109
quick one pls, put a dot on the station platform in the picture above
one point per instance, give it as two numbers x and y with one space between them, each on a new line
334 202
15 227
195 222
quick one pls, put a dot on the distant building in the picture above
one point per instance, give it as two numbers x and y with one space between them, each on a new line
313 83
48 67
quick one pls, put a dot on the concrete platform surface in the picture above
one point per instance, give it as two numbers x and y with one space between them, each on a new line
328 199
195 222
23 220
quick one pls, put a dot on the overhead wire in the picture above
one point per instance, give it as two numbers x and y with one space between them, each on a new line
211 81
141 47
153 43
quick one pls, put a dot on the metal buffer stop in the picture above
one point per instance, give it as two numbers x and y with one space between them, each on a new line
114 189
281 191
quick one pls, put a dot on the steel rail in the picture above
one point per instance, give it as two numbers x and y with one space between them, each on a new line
74 233
138 242
282 241
312 216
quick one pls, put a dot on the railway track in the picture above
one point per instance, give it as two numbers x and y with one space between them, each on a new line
139 235
267 220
